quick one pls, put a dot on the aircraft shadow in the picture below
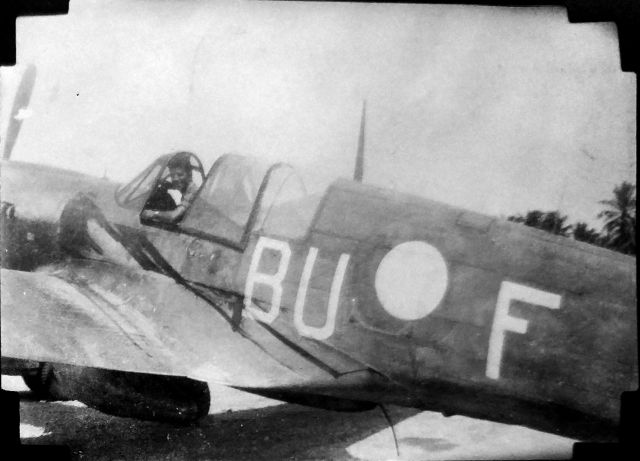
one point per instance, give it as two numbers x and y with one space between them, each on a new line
279 432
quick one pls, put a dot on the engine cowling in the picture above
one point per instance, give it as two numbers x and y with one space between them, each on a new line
134 395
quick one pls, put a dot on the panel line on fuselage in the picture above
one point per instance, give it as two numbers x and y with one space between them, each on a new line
149 257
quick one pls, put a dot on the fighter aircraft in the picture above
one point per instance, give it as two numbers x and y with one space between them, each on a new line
345 300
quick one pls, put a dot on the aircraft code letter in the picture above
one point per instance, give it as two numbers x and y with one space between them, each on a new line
503 322
334 296
272 280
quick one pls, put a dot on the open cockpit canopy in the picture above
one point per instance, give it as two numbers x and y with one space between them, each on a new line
244 194
135 193
239 195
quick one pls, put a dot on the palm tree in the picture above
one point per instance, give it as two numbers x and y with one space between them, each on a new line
583 233
620 219
532 218
550 221
554 222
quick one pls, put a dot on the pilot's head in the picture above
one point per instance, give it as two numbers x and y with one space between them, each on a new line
180 170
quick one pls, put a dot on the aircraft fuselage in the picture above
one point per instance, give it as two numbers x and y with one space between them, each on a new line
456 311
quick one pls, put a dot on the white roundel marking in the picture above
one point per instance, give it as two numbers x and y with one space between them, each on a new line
411 280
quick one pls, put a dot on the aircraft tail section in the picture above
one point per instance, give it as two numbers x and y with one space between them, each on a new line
438 286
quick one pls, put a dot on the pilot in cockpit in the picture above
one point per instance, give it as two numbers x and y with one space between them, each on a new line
174 195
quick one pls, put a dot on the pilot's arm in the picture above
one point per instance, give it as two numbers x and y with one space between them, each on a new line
172 216
175 215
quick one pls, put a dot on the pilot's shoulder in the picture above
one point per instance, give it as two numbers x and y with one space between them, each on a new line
191 190
189 194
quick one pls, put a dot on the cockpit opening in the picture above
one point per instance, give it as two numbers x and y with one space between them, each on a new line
239 195
165 189
175 191
164 185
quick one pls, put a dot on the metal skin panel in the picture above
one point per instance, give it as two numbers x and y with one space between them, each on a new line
40 192
36 196
581 355
130 321
322 354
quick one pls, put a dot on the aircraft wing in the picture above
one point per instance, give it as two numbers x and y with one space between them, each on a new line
48 319
95 314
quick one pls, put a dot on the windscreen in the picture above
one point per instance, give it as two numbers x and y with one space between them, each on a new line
134 194
224 205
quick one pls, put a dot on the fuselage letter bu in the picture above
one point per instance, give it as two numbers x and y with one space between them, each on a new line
273 278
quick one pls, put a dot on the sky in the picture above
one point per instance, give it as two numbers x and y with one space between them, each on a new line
497 110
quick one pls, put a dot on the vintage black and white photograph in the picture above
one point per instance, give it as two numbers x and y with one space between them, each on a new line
273 230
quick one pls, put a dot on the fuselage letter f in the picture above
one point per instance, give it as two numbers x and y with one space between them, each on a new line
503 322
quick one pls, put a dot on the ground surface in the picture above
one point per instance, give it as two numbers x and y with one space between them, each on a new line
242 426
